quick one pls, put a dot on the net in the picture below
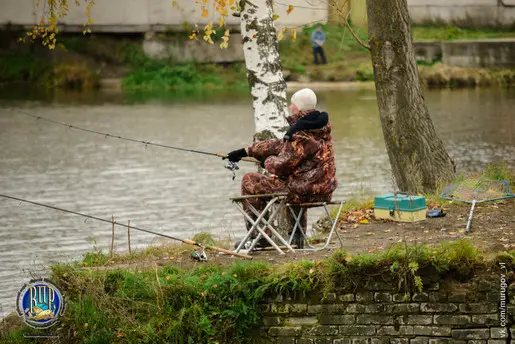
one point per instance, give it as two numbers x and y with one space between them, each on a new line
478 190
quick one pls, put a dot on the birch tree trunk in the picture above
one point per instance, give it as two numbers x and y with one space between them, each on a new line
264 72
419 160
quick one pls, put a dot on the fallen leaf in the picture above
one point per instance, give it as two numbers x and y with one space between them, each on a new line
290 8
205 13
426 231
452 233
348 258
364 221
311 270
275 16
387 230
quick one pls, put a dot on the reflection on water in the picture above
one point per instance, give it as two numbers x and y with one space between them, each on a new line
181 193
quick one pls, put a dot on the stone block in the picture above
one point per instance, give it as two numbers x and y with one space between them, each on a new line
329 309
346 297
279 308
419 340
298 308
446 341
459 297
301 321
336 319
304 341
478 308
360 341
375 308
403 308
383 297
366 296
285 340
271 321
498 332
399 341
496 341
401 297
437 296
451 319
355 308
391 330
477 341
330 298
494 296
485 319
438 307
383 340
374 319
342 341
323 330
432 331
420 297
360 330
415 319
323 341
285 331
482 333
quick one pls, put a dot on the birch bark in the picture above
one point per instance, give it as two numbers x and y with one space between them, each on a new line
264 71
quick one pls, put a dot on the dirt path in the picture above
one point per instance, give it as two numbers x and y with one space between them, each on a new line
492 229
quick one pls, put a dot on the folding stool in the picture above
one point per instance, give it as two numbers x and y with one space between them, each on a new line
298 234
262 221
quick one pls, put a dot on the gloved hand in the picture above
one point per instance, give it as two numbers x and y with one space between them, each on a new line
237 155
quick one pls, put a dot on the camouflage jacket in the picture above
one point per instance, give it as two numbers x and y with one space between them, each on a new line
306 163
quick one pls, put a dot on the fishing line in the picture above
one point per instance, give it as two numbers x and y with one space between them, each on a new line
106 135
185 241
90 217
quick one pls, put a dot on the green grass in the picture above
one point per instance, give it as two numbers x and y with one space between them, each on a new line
16 68
211 303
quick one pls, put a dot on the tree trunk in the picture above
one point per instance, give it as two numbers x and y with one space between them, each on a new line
264 72
419 160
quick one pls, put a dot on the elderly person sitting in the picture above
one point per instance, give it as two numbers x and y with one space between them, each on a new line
302 163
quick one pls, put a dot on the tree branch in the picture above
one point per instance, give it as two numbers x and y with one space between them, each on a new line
346 22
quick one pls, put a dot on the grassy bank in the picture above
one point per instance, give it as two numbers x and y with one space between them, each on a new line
80 61
219 303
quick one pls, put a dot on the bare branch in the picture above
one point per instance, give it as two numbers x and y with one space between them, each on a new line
346 22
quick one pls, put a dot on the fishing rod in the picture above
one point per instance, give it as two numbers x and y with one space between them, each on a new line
185 241
232 166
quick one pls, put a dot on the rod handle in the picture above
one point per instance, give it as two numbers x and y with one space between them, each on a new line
248 159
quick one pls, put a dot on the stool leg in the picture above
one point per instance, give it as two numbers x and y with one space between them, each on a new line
272 229
333 227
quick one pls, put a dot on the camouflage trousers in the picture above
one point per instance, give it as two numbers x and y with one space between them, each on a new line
256 183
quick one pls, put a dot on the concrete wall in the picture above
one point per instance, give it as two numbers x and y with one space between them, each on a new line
151 15
481 53
470 13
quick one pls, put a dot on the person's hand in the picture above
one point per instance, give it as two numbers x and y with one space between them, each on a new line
237 155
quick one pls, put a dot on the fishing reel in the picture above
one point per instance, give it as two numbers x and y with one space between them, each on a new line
199 255
232 166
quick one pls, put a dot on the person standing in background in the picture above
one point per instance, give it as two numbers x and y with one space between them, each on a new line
318 40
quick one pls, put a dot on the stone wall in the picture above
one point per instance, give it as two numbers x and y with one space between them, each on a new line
441 314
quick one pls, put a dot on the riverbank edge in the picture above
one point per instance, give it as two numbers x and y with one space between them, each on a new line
217 301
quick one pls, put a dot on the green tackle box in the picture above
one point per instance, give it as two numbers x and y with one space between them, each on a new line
400 207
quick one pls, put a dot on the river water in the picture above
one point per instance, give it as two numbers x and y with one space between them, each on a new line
180 193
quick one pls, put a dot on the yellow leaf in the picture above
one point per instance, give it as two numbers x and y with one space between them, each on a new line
280 35
174 3
290 8
348 258
364 221
293 35
221 21
311 270
275 16
205 13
